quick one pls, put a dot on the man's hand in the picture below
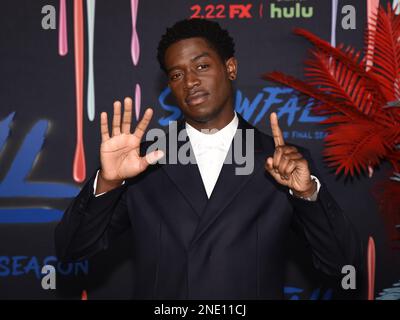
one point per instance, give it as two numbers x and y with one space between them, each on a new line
120 154
287 166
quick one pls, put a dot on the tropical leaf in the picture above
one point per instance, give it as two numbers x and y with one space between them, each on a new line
351 62
385 51
357 97
341 83
352 147
360 97
355 141
326 103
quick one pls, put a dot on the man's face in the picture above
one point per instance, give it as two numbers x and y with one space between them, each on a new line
201 82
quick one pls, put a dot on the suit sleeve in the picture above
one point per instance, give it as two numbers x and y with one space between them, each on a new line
333 240
90 223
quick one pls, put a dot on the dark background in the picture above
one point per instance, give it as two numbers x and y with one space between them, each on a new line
38 84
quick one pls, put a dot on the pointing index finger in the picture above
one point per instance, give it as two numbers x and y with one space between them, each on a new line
276 131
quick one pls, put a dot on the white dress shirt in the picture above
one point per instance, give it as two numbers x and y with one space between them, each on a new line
210 149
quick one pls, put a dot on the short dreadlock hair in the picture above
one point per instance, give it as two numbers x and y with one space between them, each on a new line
218 38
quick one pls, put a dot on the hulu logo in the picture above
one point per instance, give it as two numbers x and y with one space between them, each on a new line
297 11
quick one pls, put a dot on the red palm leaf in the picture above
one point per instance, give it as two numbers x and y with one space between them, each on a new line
385 53
343 84
363 131
350 61
327 104
348 144
355 146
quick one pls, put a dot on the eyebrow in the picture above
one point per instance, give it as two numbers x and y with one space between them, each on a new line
201 55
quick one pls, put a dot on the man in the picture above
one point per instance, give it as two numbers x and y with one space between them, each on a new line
202 231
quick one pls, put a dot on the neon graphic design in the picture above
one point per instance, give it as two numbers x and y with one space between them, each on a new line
14 184
90 7
333 23
84 295
137 101
372 11
371 268
396 6
62 30
79 166
135 48
390 293
294 293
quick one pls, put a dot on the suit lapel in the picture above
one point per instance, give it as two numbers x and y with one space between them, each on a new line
186 177
229 184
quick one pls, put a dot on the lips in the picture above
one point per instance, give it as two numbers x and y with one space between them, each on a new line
196 98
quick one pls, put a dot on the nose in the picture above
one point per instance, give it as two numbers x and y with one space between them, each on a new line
191 80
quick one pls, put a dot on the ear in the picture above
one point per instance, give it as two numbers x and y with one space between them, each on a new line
231 68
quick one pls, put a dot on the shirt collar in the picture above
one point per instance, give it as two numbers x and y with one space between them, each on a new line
222 138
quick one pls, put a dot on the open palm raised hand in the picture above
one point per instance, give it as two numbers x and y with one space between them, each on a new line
120 154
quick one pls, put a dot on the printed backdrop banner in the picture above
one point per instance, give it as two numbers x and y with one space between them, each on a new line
64 62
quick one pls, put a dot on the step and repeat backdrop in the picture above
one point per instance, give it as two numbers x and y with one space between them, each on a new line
60 67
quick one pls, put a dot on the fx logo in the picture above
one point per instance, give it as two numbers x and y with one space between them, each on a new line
242 11
49 280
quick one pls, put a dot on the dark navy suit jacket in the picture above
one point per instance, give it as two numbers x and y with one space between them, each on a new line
186 246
